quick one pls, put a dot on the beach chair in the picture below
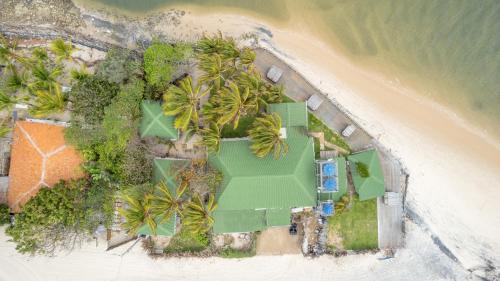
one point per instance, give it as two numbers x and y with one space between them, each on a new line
314 102
274 74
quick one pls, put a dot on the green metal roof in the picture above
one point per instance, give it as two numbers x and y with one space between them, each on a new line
373 185
165 170
154 123
341 181
292 114
278 217
239 221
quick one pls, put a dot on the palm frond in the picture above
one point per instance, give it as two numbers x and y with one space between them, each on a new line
61 49
48 102
265 136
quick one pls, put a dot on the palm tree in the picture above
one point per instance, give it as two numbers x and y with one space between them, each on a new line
138 212
4 130
166 204
43 78
217 70
79 74
257 86
225 47
8 52
7 101
48 101
266 137
16 81
341 204
183 101
198 216
235 104
211 137
275 93
61 49
247 57
39 54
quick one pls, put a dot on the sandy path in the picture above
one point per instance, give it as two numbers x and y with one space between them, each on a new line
421 260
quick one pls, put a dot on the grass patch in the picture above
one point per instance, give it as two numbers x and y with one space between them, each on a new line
357 226
240 132
315 125
186 242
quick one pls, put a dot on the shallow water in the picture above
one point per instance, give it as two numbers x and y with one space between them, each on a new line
448 49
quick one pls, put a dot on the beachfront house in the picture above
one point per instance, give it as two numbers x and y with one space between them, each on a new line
156 124
40 157
367 174
257 193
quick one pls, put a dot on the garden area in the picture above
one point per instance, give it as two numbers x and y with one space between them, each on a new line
354 228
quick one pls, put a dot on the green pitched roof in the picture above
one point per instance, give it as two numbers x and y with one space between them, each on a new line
292 114
249 220
165 170
154 123
341 181
278 217
373 185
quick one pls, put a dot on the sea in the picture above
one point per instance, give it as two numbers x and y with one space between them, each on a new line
448 50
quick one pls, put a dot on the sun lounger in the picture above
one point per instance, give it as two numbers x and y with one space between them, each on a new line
347 132
314 102
274 74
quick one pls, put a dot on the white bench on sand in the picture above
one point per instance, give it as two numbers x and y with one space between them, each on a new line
274 74
348 130
314 102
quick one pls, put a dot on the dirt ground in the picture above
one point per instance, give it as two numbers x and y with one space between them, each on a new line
277 241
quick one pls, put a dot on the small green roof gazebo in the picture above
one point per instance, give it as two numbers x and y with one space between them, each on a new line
165 169
373 185
155 124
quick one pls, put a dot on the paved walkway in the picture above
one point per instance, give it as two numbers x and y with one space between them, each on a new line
390 218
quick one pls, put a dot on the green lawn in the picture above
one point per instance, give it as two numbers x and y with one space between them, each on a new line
357 226
240 132
315 125
185 242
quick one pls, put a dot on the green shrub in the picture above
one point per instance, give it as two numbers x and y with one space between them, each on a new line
119 66
138 163
161 61
89 97
187 242
4 214
231 253
362 169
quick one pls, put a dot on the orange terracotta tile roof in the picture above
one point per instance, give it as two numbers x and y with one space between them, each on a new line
39 157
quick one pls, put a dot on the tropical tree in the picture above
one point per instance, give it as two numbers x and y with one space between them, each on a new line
16 81
341 205
8 51
224 47
44 78
235 104
198 216
211 137
216 70
39 54
138 212
266 137
275 93
7 101
257 87
166 204
246 57
183 102
79 74
48 101
61 49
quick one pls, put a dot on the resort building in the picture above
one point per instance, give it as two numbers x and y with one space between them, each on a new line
40 157
371 185
257 193
156 124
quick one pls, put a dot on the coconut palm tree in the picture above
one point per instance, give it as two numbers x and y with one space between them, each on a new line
265 136
198 216
166 204
235 104
183 101
39 54
211 137
4 130
275 93
48 102
225 47
8 52
44 78
16 81
257 86
7 101
216 70
61 49
246 57
138 212
79 74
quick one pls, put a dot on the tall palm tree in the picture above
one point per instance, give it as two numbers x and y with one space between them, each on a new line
138 213
211 137
7 101
247 57
183 101
166 204
61 49
257 86
39 54
265 136
225 47
235 104
216 70
198 216
16 81
275 93
44 78
48 101
79 74
8 52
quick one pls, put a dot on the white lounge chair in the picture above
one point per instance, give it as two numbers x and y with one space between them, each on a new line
314 102
347 132
274 74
